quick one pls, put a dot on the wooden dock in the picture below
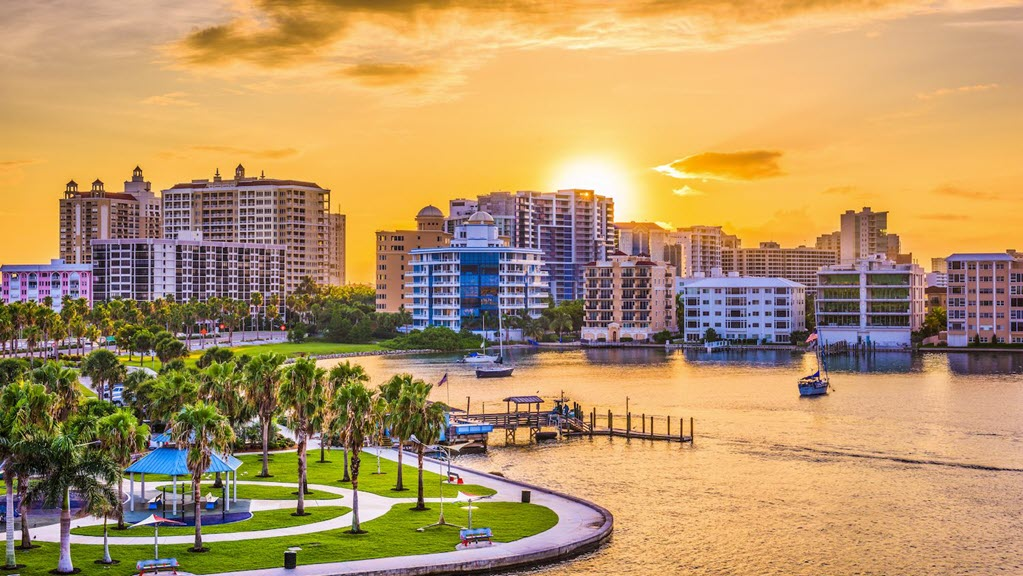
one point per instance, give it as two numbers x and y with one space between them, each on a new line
577 423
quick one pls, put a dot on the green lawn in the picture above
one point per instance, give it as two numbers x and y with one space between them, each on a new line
284 468
267 520
290 349
252 492
393 534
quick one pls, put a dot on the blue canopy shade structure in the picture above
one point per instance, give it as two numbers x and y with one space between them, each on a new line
173 462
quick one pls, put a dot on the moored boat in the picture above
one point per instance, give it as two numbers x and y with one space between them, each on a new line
494 372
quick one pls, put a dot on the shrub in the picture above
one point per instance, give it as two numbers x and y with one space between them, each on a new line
661 337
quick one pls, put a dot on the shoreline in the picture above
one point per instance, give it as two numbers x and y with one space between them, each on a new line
582 527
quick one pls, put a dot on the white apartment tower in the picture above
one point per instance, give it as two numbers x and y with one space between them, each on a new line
697 249
743 309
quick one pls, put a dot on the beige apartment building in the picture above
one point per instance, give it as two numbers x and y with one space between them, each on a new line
770 260
985 298
260 210
697 249
336 250
394 261
97 214
628 297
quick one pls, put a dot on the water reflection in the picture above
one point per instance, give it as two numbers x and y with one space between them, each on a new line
879 362
985 363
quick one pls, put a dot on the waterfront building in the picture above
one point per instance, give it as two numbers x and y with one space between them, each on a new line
697 249
476 277
770 260
97 214
872 301
187 267
394 259
572 227
641 238
628 298
336 250
985 298
737 308
37 282
936 297
292 213
864 234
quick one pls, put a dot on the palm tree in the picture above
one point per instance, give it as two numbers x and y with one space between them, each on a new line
171 392
122 436
301 395
24 414
560 322
62 383
256 300
71 465
104 508
262 383
201 430
355 402
103 367
398 416
425 423
219 384
340 376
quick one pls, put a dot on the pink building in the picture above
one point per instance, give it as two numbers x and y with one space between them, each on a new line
985 298
34 282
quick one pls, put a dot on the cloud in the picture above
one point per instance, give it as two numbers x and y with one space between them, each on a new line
316 38
12 171
727 166
957 192
169 99
941 92
686 190
384 73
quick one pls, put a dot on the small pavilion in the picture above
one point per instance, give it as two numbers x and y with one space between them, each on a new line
173 462
527 418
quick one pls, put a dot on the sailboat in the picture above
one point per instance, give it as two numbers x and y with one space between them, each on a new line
481 357
815 384
497 371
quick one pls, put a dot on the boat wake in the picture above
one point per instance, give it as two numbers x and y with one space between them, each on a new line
894 458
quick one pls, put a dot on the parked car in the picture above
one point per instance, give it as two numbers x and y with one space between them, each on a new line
117 394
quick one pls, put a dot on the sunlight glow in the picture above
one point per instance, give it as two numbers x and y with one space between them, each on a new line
603 176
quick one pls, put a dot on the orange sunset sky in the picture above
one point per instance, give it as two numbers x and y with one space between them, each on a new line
769 117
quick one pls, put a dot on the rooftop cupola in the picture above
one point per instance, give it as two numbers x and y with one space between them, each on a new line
216 176
239 172
72 187
97 185
136 175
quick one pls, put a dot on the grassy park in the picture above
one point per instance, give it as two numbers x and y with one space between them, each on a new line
267 520
289 349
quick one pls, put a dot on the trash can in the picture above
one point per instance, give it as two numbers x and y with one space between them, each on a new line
525 496
290 559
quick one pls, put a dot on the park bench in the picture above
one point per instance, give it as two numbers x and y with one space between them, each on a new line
475 536
211 501
156 565
155 501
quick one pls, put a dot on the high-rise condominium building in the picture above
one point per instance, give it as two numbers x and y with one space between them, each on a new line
641 238
187 267
628 297
476 278
872 301
770 260
336 250
832 242
743 309
260 210
36 282
985 298
500 205
394 259
697 249
572 227
865 234
99 215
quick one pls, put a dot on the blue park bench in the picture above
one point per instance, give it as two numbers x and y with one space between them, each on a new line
154 503
156 565
211 502
472 536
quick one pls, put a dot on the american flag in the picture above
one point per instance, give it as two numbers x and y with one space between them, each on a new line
443 380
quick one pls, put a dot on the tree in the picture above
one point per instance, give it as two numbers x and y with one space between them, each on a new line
62 383
220 385
121 436
24 414
560 322
343 375
301 396
256 300
103 368
399 414
262 383
356 403
425 424
170 393
710 335
201 430
935 321
72 465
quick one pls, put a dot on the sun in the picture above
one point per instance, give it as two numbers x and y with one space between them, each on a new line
603 176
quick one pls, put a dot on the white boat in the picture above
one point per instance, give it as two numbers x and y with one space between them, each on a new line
496 371
481 357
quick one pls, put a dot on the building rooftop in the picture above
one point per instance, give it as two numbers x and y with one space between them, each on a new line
981 256
480 217
252 182
741 282
430 211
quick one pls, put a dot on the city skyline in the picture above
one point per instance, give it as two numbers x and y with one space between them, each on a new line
717 126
